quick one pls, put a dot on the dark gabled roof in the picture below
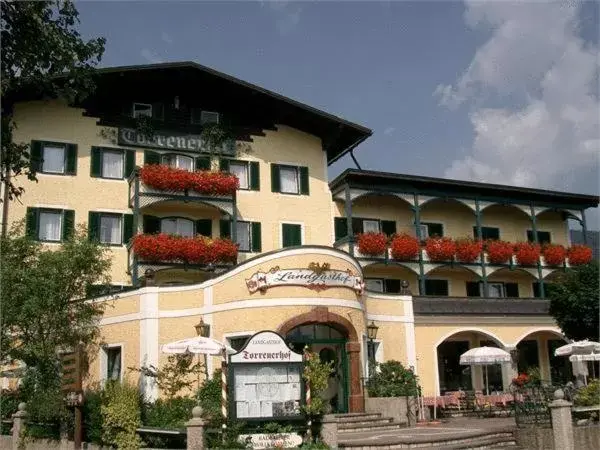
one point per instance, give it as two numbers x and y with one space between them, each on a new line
374 180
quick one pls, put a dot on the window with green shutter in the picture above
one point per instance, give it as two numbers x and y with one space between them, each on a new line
203 163
429 229
151 157
204 227
340 225
110 228
436 287
291 235
290 179
248 235
55 158
487 233
112 163
543 237
50 225
151 224
388 227
247 172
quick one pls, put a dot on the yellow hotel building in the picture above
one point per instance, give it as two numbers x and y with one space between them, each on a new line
286 216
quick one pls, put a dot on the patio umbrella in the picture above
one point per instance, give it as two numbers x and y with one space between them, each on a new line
484 356
580 347
197 345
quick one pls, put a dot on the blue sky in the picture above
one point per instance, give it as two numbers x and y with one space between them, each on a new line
487 91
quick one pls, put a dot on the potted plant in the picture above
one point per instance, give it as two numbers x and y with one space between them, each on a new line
554 255
316 374
499 252
440 248
527 253
405 247
579 255
467 250
165 178
170 248
372 244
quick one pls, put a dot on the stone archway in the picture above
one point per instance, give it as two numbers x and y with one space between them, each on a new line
321 315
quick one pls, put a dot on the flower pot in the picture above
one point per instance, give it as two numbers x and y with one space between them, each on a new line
372 244
405 247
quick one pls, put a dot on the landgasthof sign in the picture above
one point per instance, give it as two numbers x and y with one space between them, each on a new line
167 141
266 347
310 279
275 440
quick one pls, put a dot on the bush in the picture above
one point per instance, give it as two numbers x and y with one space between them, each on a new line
9 402
589 395
168 413
316 373
209 398
393 380
92 416
121 415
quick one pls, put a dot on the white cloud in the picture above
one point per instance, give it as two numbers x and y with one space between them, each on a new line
287 14
166 37
389 130
150 56
534 55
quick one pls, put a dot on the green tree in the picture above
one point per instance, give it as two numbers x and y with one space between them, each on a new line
42 299
574 302
44 55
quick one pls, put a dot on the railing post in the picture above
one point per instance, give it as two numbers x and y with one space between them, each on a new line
195 430
18 426
417 211
484 280
562 422
535 239
348 213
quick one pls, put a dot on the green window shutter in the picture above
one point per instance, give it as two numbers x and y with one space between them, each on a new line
127 228
158 111
225 229
357 225
224 165
32 223
36 155
530 237
151 224
488 232
71 156
473 289
435 229
204 227
475 233
304 189
292 235
256 238
151 157
536 289
436 287
511 290
392 286
254 176
129 163
388 227
275 178
340 224
93 226
68 226
96 162
544 237
203 163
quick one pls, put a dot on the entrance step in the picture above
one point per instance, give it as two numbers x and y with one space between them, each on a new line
358 422
350 416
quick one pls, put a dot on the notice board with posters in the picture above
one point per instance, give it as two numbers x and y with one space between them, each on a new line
265 380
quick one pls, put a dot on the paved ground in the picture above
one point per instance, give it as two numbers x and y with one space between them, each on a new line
449 429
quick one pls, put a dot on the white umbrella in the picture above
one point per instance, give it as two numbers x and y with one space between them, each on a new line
484 356
197 345
579 347
588 357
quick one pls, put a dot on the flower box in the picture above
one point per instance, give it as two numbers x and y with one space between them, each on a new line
499 252
440 249
165 178
554 255
579 254
468 250
171 248
372 244
527 253
405 247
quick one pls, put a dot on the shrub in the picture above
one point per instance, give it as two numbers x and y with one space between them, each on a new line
499 252
372 244
92 416
440 249
121 416
9 402
405 247
527 253
168 413
392 380
554 255
316 374
467 250
579 255
589 395
209 398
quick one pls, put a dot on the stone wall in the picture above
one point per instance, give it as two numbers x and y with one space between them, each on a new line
586 437
402 409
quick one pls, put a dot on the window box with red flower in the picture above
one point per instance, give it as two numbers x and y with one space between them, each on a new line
499 252
554 254
440 249
527 253
165 178
405 247
372 244
468 250
579 254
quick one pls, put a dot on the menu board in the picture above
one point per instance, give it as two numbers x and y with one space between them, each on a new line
267 390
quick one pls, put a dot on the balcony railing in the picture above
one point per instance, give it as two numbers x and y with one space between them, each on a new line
431 305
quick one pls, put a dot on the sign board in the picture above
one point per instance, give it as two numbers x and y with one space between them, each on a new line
166 141
274 440
308 278
266 379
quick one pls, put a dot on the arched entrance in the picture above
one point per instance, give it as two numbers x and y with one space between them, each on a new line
333 338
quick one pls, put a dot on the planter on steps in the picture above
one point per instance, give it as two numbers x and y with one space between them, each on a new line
402 409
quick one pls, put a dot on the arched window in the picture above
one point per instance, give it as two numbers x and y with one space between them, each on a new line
179 162
177 225
305 333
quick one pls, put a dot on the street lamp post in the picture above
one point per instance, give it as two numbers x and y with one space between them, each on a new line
371 335
203 329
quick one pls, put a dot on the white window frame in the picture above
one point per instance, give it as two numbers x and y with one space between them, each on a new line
114 216
104 361
287 222
60 214
205 115
246 167
56 145
141 113
426 227
176 225
296 171
165 156
237 235
121 153
380 280
490 283
372 221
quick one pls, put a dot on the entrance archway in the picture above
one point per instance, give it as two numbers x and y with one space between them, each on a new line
322 329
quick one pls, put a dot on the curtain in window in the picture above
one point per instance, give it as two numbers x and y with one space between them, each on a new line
240 171
182 227
495 290
54 159
374 285
112 165
289 180
179 162
110 230
50 226
371 226
113 357
243 236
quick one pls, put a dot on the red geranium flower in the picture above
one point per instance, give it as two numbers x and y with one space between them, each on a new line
372 244
440 249
170 248
527 253
405 247
554 255
499 252
165 178
467 250
579 254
